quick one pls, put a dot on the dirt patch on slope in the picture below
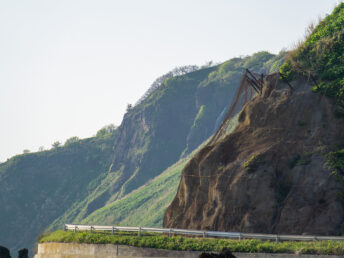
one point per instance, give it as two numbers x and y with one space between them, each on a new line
270 174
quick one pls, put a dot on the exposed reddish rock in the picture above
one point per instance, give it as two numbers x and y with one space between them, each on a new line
270 174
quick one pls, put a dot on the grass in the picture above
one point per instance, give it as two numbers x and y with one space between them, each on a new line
321 55
335 160
252 163
199 115
305 160
196 244
151 200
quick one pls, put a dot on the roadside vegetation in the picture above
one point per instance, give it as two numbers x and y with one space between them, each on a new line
149 240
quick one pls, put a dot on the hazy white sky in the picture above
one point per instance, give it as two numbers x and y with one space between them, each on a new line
69 67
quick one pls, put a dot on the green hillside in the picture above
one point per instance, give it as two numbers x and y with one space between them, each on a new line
70 183
170 123
144 206
36 188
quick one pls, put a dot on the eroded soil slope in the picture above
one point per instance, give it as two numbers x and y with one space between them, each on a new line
270 174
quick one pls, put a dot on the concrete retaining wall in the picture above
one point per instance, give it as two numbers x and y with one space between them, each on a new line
74 250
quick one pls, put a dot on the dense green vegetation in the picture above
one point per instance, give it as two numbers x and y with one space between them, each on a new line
197 244
321 55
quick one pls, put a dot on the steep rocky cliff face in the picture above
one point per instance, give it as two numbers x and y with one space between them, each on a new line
270 174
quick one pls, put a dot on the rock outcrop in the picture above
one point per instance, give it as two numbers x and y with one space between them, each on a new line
224 254
270 174
23 253
4 252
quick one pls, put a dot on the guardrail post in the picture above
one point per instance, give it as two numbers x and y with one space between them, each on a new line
112 230
64 228
240 236
276 238
74 228
204 234
139 233
91 229
170 233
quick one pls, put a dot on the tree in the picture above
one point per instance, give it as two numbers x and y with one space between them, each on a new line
129 107
207 64
72 140
56 145
106 130
159 82
26 151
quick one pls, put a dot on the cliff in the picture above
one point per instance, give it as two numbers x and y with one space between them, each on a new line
165 126
67 184
270 175
282 168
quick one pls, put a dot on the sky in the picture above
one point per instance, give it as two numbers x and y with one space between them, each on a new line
70 67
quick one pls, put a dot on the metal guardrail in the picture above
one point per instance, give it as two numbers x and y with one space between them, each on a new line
232 235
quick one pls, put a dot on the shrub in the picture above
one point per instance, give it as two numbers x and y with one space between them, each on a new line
322 55
335 160
293 161
252 163
72 140
301 123
108 129
56 145
286 71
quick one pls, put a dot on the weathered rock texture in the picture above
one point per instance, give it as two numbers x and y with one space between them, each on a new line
270 174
